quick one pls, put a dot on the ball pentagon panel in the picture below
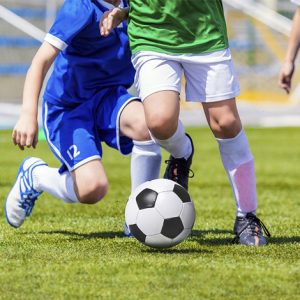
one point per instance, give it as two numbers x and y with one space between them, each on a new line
172 227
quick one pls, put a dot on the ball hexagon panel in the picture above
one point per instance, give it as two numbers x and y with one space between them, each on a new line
146 198
131 211
149 221
158 241
188 215
168 204
172 227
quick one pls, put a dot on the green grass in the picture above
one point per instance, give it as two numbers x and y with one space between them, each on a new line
77 252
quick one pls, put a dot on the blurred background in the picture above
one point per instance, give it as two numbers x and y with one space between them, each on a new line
258 32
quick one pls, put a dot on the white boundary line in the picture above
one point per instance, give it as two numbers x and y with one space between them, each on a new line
251 115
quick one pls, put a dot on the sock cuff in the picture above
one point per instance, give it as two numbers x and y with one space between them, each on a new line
178 133
146 146
235 151
144 143
235 144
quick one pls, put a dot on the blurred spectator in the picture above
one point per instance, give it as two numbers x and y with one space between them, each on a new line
287 70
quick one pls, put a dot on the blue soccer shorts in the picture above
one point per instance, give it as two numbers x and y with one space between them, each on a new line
75 132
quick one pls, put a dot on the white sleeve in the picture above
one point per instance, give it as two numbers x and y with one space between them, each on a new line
55 41
296 2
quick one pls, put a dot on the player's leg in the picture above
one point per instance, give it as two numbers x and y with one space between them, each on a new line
80 185
127 132
159 83
34 177
146 153
216 82
73 139
238 162
80 179
146 156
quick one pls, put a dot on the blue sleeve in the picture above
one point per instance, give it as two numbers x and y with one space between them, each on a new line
72 17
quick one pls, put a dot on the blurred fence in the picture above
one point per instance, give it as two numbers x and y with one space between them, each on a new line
257 50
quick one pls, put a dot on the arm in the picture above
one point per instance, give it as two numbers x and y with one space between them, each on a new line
287 70
111 19
25 132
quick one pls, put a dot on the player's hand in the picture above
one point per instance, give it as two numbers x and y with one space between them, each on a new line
285 76
25 133
111 19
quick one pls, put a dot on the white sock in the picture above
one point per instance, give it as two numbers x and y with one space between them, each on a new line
49 180
238 162
145 162
178 145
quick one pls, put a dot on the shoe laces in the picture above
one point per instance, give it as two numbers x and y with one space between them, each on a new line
27 192
254 224
179 163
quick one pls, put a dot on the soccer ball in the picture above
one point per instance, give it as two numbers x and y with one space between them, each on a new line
160 213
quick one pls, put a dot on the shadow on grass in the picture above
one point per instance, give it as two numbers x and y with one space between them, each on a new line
284 240
91 235
201 237
177 251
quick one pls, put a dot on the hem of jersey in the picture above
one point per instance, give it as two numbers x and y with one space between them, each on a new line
55 41
197 58
216 98
83 162
118 122
160 88
187 50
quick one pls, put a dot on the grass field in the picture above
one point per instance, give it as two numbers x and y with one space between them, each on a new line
78 252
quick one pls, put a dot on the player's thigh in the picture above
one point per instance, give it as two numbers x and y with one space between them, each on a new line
90 180
162 109
133 123
223 118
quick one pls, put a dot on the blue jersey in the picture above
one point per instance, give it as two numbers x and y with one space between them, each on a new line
88 63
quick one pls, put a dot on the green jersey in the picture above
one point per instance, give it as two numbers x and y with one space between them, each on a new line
177 26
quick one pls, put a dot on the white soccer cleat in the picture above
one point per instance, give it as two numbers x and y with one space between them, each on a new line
21 198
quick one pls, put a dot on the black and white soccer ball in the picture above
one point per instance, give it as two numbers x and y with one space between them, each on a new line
160 213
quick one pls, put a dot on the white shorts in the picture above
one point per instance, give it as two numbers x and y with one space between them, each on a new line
209 77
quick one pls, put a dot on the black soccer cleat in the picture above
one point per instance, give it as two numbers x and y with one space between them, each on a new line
248 231
178 169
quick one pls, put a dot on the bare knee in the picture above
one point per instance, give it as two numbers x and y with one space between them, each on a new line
162 126
92 192
227 126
